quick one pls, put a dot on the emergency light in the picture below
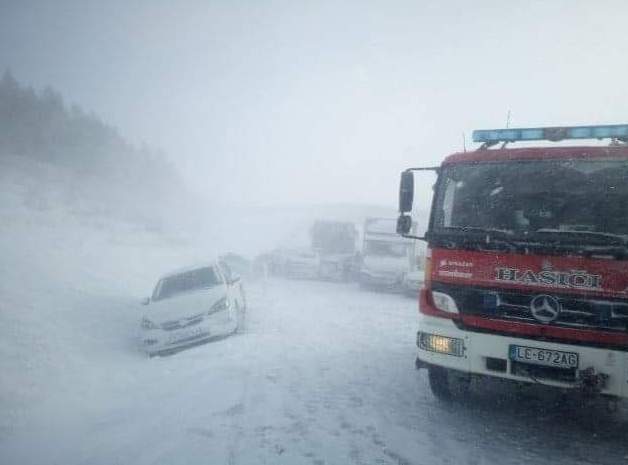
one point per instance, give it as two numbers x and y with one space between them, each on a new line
494 136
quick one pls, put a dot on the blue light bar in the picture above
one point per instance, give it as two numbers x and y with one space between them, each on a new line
493 136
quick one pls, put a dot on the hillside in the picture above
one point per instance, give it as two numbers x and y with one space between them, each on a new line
70 159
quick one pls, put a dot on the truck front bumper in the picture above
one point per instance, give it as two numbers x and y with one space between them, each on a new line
441 343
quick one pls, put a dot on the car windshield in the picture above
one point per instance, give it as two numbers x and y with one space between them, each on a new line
530 197
386 248
201 278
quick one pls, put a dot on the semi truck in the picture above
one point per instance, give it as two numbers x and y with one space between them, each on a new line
335 244
330 255
526 272
386 257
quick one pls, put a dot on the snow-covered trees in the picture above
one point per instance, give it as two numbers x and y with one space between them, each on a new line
102 173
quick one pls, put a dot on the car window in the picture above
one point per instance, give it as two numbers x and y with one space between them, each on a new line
201 278
387 249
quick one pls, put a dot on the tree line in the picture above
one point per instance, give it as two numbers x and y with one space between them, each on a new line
104 165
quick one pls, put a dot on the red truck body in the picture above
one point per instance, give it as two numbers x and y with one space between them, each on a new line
545 304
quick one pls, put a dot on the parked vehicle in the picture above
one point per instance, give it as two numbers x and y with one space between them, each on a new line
301 264
334 242
191 306
272 262
413 280
386 257
527 266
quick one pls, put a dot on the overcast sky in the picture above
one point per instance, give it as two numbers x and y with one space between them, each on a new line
320 101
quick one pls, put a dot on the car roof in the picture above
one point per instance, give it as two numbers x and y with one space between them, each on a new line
539 153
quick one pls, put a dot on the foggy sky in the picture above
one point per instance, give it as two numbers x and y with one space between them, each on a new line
290 102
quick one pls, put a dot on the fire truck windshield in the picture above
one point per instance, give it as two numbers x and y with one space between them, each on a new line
583 201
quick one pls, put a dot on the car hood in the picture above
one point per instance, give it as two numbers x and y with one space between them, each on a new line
185 305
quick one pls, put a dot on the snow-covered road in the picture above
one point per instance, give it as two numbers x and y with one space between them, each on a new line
323 373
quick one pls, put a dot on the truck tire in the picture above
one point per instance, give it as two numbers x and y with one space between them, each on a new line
439 382
447 384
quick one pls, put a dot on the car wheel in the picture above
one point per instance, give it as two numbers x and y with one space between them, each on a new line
448 384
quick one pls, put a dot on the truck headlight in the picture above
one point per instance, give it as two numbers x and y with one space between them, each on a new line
147 324
440 344
444 302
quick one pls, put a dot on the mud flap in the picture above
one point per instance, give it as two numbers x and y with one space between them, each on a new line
591 382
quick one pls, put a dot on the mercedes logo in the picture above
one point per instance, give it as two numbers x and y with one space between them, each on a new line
545 308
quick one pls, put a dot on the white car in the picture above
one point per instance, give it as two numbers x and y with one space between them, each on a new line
191 306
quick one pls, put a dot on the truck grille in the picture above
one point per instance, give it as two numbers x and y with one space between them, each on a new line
577 312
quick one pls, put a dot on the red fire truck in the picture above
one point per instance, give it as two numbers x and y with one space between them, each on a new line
527 269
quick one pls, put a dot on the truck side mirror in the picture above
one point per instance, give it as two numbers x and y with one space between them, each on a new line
145 301
406 192
404 224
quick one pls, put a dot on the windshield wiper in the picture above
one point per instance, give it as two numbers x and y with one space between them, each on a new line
616 238
489 237
613 244
506 232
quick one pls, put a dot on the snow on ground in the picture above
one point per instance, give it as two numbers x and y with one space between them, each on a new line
322 373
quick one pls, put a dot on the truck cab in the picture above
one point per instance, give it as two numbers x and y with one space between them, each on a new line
386 257
526 274
335 244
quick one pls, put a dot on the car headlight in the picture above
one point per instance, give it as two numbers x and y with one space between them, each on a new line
222 304
444 302
147 324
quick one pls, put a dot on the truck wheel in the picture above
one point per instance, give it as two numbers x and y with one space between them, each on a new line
448 384
439 382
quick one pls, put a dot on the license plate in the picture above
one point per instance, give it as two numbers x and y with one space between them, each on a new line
183 335
546 357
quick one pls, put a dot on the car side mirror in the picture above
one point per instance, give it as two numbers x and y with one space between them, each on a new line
406 192
234 279
145 301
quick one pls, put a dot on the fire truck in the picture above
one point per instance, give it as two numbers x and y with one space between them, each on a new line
526 274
